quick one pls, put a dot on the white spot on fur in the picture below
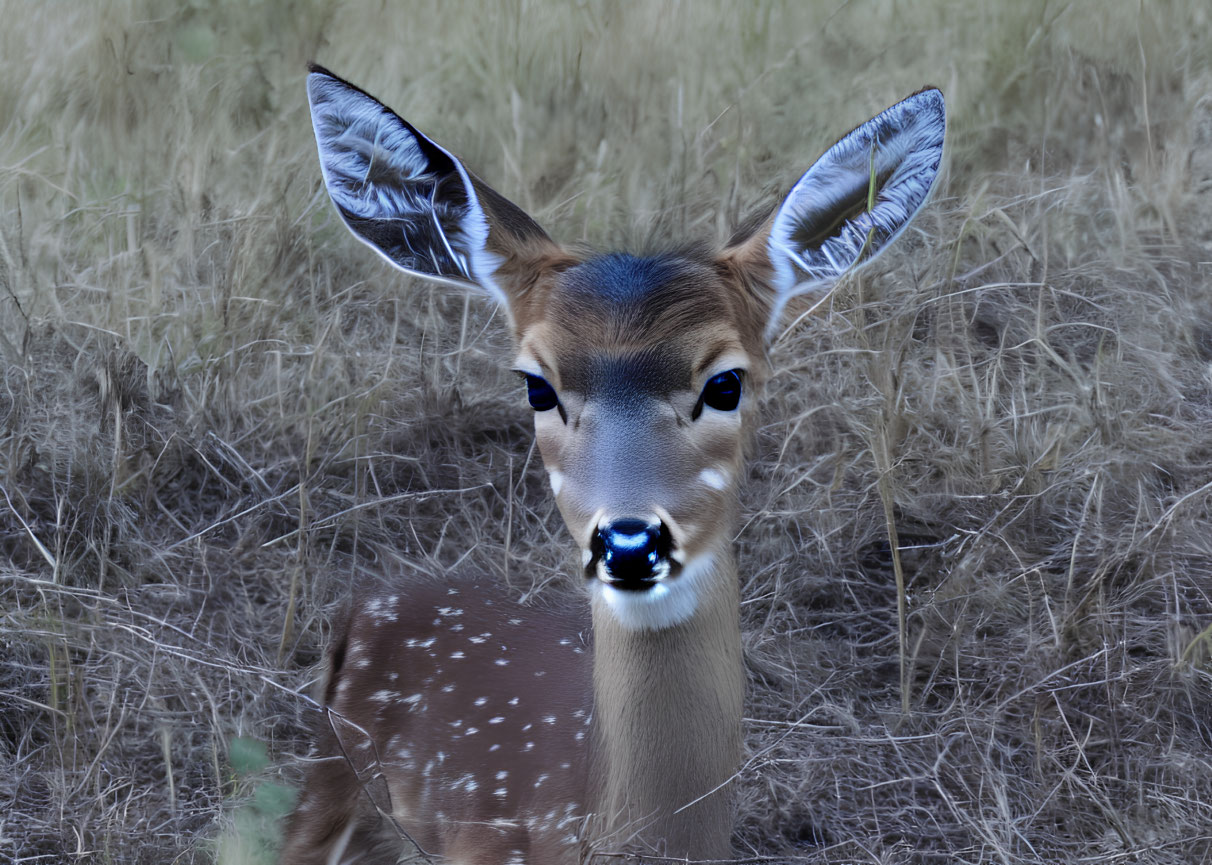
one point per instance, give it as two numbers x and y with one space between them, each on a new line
557 481
480 701
377 610
714 478
497 720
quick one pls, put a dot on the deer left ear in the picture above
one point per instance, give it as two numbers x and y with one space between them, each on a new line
413 202
853 202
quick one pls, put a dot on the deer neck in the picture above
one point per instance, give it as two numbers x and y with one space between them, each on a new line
667 724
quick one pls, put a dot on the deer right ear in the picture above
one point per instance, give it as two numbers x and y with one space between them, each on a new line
410 199
852 203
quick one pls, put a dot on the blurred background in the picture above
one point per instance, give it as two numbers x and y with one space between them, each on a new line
217 409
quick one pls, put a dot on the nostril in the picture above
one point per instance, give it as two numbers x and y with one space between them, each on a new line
632 550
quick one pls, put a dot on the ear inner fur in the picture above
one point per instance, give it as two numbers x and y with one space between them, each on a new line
414 202
825 226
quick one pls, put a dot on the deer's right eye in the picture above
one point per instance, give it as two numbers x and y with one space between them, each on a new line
542 396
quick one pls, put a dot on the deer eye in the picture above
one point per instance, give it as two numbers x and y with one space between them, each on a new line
722 392
542 396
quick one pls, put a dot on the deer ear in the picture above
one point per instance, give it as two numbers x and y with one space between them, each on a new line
853 202
408 198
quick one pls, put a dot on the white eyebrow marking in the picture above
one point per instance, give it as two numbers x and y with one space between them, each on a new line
526 364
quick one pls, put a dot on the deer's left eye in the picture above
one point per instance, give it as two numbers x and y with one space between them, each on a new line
722 392
542 396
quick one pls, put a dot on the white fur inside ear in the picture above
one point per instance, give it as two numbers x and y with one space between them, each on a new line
825 227
359 140
390 192
670 602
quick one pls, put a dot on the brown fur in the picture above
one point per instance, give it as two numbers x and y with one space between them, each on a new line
666 704
484 729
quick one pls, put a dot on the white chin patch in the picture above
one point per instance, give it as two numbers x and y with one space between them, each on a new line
669 602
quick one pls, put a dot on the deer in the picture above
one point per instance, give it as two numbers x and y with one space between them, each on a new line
462 726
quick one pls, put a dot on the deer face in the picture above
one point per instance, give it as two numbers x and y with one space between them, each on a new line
643 374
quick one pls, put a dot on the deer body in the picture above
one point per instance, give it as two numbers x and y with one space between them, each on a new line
489 732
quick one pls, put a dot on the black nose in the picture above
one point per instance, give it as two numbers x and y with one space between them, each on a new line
633 551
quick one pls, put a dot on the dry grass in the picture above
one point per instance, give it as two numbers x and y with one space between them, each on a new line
210 395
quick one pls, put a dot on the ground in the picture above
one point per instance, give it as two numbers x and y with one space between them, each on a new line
217 409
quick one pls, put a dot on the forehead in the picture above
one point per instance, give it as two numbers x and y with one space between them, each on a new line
650 321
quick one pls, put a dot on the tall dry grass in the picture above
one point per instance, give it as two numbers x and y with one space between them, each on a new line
216 410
